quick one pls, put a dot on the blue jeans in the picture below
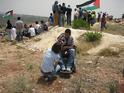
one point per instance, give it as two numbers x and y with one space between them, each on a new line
70 58
60 20
51 75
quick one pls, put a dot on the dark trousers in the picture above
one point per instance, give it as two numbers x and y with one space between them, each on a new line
19 36
103 26
69 20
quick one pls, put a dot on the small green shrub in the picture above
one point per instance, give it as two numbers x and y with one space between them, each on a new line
19 47
112 87
29 67
92 36
13 42
79 23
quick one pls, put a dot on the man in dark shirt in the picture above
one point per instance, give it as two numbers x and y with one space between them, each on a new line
8 29
69 10
60 15
67 48
63 8
55 13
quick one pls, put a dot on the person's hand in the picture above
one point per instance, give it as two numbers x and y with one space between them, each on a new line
74 46
65 47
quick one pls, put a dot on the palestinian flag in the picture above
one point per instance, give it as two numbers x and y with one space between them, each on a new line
8 15
90 5
94 5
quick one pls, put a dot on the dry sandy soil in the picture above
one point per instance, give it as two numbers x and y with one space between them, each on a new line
19 66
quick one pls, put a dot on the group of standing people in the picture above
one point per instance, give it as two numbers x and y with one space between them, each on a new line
15 32
88 16
19 29
61 14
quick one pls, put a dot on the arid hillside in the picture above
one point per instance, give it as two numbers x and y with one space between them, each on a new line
99 65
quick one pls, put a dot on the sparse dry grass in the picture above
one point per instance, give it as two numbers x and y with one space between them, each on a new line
14 42
36 39
87 79
83 46
23 66
112 28
113 50
108 52
18 84
112 87
19 47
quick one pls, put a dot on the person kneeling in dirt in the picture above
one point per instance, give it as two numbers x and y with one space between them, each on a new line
67 51
51 60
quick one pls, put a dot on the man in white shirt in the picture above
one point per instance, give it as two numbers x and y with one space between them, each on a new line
37 26
13 33
51 59
76 14
31 31
19 28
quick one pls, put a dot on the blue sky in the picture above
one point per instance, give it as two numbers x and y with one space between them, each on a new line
43 7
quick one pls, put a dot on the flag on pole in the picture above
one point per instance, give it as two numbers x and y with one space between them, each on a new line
9 12
8 15
94 5
90 5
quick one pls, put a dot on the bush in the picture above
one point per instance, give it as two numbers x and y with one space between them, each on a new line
112 87
29 67
79 23
92 36
19 84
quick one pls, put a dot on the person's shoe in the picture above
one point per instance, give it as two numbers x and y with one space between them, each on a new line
63 68
46 79
68 69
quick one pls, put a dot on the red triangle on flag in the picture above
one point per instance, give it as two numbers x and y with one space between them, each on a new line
97 3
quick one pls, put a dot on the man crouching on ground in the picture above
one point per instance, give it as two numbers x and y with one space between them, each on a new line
51 59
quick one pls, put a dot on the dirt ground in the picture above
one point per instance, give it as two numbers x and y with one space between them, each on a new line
20 71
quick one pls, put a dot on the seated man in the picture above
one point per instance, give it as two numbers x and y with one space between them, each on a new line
31 30
44 26
67 48
51 58
37 27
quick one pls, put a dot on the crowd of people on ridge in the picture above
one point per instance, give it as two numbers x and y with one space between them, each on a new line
19 29
59 13
62 14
